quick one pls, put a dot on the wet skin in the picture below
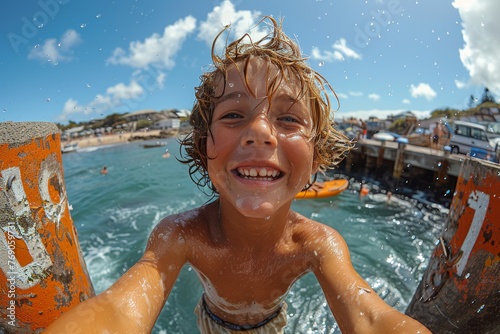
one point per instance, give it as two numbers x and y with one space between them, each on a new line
261 155
248 247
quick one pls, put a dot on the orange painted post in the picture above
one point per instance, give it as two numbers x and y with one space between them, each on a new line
42 271
460 290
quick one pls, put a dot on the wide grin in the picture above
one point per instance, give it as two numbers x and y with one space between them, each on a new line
259 173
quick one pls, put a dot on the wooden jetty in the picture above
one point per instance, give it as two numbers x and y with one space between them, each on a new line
398 164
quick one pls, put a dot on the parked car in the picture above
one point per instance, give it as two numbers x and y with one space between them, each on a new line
493 132
471 138
384 135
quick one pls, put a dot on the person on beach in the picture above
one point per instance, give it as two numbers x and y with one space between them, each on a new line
261 127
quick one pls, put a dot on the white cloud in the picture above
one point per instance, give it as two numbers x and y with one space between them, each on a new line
116 97
149 57
156 50
374 97
460 84
481 41
55 51
406 101
422 90
241 22
124 92
326 55
341 46
160 79
342 96
356 94
340 52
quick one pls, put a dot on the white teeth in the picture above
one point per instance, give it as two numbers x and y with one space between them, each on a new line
265 173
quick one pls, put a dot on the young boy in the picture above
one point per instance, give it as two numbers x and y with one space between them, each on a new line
261 127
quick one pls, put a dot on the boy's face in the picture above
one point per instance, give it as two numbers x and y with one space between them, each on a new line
261 154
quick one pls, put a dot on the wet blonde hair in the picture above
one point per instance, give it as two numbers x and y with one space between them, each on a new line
330 146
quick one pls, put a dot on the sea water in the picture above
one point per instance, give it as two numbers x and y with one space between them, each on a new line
390 242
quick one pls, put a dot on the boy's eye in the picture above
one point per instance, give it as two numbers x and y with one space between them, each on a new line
289 119
231 115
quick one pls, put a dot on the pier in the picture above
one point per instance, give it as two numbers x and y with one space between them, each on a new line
399 166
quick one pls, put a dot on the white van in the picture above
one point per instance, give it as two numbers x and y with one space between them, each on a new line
471 138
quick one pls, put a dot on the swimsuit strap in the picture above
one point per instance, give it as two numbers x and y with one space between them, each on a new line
236 327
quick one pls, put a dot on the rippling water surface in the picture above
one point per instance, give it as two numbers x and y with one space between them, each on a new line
389 242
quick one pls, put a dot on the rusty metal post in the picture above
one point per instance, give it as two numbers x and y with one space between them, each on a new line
42 271
460 290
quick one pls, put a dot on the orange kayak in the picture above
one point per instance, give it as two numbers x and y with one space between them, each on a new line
326 189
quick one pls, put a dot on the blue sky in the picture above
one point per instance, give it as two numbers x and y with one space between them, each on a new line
64 60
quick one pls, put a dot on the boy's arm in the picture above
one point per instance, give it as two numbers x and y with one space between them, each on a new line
133 303
356 307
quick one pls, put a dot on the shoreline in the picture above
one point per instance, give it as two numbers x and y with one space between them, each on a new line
110 139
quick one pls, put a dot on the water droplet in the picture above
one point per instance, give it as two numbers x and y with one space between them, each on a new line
88 85
321 63
231 84
467 276
98 16
37 46
48 99
481 308
83 25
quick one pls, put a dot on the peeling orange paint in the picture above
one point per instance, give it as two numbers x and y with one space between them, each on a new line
468 255
49 275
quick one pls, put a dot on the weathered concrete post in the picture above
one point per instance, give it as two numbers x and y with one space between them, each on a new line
348 163
399 161
459 292
42 271
381 152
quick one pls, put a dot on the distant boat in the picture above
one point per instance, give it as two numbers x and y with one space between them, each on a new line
72 147
157 144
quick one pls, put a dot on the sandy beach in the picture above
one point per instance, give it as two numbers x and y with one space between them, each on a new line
110 139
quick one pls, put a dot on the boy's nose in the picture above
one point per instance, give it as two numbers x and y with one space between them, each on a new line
260 131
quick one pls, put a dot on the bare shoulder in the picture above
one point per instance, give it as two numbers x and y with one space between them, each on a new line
183 222
318 238
175 234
